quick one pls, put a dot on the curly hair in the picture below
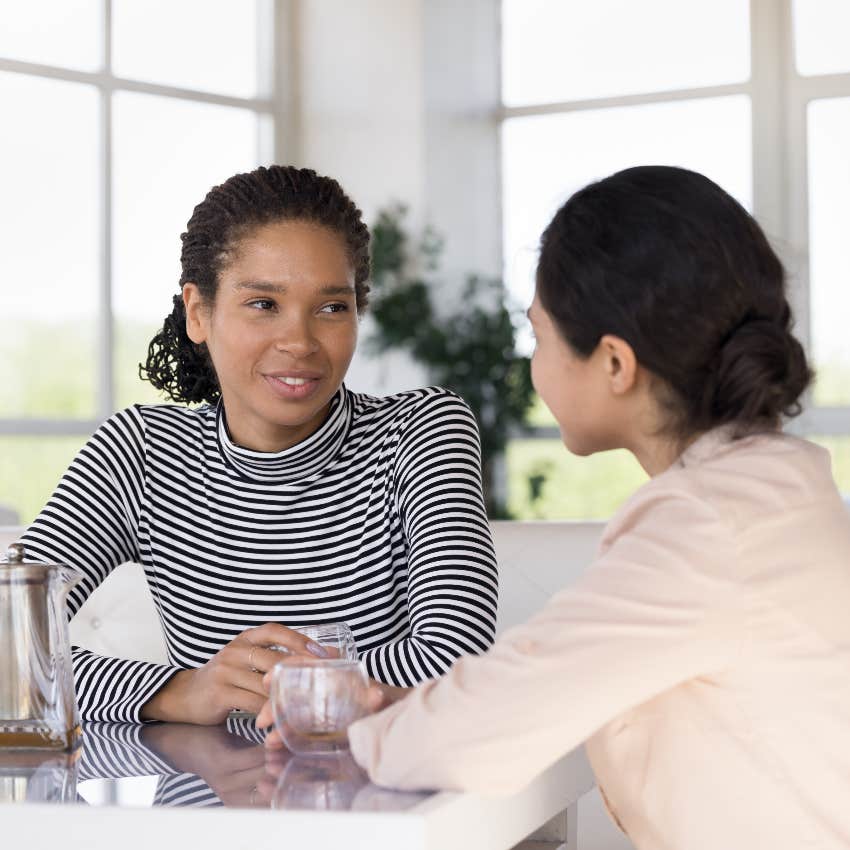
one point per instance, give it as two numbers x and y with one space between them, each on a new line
183 369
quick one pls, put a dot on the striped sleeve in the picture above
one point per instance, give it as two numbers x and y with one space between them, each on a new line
452 574
91 524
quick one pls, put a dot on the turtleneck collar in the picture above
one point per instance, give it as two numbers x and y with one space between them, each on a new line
298 462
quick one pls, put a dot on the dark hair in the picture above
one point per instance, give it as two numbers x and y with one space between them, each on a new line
665 259
176 365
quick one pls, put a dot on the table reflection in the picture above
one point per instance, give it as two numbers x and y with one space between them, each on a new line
174 764
38 777
334 783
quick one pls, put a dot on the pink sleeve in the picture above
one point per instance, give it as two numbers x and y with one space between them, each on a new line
651 612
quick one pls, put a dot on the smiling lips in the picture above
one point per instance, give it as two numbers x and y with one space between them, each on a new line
293 387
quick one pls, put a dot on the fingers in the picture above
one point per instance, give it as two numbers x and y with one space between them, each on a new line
265 717
263 659
375 699
245 700
274 634
274 741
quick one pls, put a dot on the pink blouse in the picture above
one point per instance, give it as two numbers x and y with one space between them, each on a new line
704 657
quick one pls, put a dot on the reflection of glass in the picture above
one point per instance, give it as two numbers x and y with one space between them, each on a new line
49 265
829 250
38 777
207 45
822 36
325 783
560 51
315 701
168 154
547 158
68 33
336 637
373 798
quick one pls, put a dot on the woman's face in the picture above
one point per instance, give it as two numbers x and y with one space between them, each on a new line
281 333
577 390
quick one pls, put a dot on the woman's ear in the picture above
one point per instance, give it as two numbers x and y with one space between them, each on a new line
620 364
196 313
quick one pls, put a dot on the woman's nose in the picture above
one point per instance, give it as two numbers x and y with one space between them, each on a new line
295 338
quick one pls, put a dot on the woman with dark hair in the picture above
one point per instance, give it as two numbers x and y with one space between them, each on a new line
284 499
705 654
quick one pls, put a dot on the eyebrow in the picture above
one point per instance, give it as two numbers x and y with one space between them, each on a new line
265 286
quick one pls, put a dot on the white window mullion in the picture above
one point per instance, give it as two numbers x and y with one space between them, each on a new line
106 382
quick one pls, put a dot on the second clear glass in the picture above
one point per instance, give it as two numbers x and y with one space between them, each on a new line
314 701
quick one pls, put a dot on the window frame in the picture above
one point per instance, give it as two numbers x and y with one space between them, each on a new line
779 98
274 107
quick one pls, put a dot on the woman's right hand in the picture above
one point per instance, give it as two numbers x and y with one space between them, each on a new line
231 679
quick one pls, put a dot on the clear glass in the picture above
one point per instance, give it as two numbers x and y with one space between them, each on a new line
66 33
38 708
337 638
30 470
205 45
50 262
315 701
545 481
546 158
167 155
822 36
564 50
829 248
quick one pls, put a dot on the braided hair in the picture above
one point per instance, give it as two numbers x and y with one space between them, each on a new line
182 369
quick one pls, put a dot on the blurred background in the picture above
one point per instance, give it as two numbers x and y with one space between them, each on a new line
479 117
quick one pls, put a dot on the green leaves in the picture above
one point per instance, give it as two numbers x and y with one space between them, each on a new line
470 350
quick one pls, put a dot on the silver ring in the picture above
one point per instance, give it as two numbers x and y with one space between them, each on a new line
251 660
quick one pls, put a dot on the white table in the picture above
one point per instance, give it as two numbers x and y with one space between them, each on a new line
440 821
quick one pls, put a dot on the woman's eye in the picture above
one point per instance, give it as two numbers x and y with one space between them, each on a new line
335 308
262 304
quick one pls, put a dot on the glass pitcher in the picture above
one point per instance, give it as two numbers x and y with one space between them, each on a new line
38 706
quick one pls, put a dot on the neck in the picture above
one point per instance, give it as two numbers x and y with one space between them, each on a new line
657 452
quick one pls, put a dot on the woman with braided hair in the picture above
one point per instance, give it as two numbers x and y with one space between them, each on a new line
705 654
281 497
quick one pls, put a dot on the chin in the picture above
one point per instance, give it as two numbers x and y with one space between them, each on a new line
580 446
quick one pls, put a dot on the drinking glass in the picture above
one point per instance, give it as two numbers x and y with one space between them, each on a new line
336 637
314 701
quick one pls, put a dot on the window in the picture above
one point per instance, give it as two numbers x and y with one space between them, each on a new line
125 112
753 93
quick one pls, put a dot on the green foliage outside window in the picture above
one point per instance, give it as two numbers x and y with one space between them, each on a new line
470 349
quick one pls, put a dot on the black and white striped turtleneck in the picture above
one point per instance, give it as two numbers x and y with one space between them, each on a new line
376 520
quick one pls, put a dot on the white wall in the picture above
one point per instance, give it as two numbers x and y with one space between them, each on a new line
397 99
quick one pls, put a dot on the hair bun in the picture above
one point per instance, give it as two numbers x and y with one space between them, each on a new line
759 375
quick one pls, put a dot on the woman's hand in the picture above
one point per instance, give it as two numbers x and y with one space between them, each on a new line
378 696
232 678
